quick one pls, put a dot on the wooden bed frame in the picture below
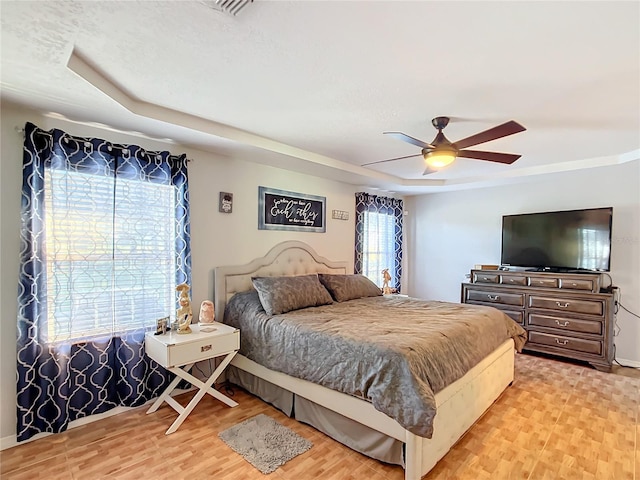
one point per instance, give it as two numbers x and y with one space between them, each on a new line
458 406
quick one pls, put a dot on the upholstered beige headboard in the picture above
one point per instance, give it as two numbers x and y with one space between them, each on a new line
286 258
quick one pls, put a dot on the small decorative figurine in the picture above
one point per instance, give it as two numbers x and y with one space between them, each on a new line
386 278
184 314
207 314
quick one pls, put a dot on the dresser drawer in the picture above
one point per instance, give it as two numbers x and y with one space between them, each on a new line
569 324
546 282
565 342
590 307
578 284
513 280
502 298
516 316
483 277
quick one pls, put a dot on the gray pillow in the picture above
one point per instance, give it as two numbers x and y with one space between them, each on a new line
283 294
348 287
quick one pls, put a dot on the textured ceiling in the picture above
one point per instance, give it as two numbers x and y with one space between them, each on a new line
311 85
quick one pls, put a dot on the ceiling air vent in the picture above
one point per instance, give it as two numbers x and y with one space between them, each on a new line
230 7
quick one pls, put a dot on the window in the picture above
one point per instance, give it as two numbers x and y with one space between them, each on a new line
379 237
104 239
378 250
110 263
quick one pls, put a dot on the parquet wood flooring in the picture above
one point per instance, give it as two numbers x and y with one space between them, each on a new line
557 421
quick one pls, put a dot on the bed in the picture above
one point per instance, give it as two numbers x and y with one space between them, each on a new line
367 417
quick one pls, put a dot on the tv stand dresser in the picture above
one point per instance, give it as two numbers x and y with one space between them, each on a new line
565 314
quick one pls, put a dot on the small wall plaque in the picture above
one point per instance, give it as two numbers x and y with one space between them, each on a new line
340 215
226 202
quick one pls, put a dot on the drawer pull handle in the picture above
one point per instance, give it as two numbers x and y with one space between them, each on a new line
485 278
561 305
493 297
562 324
511 280
205 348
564 342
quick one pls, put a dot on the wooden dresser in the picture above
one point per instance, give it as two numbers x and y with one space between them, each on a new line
564 314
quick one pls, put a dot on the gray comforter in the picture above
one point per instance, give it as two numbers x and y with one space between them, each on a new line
395 352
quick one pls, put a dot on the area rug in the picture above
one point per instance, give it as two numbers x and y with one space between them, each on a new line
264 443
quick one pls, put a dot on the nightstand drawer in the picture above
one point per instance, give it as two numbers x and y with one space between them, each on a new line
182 354
172 349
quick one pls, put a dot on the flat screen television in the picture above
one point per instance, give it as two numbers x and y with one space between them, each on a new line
564 241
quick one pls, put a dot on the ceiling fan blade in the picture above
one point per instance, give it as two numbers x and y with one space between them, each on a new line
429 170
507 158
390 159
494 133
406 138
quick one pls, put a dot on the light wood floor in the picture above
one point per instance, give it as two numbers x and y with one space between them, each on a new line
557 421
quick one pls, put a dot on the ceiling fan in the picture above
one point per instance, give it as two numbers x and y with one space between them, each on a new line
441 152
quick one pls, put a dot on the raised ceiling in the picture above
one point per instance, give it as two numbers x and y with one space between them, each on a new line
311 85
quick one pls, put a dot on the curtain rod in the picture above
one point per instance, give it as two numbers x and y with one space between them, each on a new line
20 130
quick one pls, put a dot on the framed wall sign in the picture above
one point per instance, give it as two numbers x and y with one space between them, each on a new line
283 210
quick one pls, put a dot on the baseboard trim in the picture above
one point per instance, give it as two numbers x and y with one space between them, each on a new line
628 363
12 440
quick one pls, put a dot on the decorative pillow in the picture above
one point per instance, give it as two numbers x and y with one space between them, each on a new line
348 287
283 294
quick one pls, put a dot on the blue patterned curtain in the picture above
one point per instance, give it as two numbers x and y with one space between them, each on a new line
379 237
105 238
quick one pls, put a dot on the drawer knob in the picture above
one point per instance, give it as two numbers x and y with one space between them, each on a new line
561 305
562 324
485 278
564 342
493 297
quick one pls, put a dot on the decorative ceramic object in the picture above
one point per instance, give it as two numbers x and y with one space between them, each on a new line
386 278
184 314
207 314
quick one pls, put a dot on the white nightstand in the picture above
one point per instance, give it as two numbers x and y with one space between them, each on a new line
177 353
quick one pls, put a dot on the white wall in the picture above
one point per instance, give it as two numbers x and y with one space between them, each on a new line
216 238
448 233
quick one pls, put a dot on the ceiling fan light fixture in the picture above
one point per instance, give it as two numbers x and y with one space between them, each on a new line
441 152
440 157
